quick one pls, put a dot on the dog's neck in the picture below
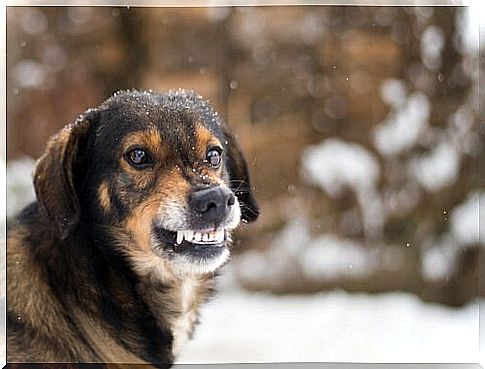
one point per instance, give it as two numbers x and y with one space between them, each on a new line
180 303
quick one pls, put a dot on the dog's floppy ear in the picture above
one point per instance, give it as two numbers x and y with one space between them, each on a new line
54 174
239 179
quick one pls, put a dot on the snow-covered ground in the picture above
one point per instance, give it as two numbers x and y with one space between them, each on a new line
332 327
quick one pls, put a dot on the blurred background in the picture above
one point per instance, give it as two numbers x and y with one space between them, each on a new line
360 128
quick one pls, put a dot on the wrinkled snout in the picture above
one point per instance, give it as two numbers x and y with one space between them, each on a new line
212 205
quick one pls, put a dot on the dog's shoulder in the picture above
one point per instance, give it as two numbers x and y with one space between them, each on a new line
34 312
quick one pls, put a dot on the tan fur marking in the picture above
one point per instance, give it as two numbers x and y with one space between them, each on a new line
173 185
139 225
152 141
149 138
151 267
205 138
104 198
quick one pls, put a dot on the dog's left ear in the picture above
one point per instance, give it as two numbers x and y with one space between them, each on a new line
54 174
239 179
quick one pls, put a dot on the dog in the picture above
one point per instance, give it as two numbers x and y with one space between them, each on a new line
135 205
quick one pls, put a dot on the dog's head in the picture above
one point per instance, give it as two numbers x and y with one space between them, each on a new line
160 173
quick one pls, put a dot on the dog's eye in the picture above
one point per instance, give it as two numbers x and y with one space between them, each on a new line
214 157
139 158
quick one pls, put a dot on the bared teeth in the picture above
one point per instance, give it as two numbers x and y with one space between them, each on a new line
211 237
180 237
189 235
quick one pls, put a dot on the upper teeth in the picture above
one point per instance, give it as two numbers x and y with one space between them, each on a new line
212 237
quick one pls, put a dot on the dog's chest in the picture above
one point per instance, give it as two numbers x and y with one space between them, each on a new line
177 306
183 322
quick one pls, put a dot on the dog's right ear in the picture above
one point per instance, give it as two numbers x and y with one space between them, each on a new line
54 174
239 179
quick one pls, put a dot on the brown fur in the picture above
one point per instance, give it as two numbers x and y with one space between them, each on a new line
36 300
205 138
104 199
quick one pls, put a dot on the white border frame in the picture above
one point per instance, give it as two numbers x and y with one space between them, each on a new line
209 3
3 189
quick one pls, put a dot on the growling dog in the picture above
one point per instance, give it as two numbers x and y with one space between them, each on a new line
136 202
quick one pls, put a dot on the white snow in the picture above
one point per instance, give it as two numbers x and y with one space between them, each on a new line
335 164
29 73
465 221
20 189
281 260
438 168
34 21
393 92
293 236
402 200
293 251
3 184
311 28
432 43
439 260
462 120
330 256
332 327
403 126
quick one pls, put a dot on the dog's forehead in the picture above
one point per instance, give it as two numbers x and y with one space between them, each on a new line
176 115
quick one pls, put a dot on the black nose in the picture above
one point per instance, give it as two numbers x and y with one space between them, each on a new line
212 204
